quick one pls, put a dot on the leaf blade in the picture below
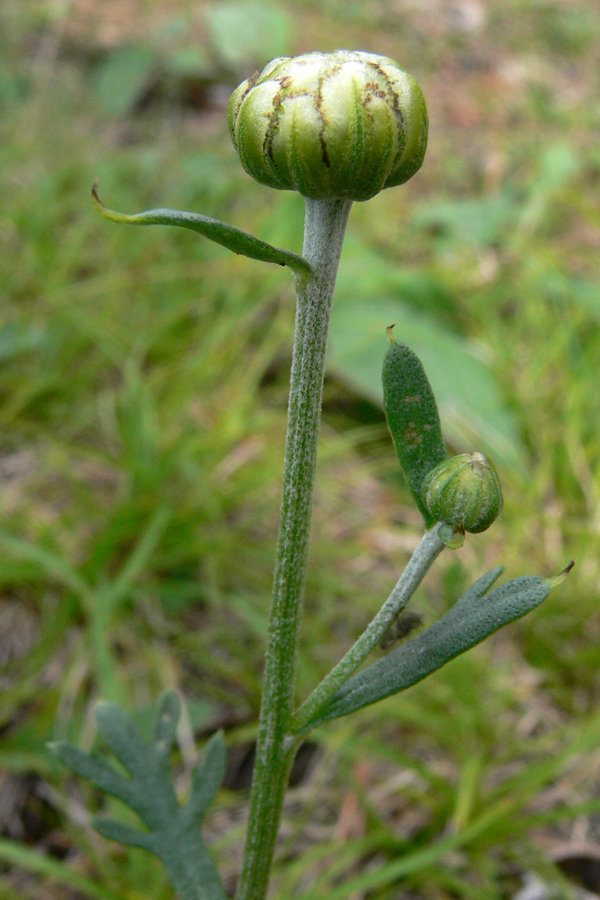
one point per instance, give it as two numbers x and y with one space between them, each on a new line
472 406
93 768
473 618
173 831
233 239
206 780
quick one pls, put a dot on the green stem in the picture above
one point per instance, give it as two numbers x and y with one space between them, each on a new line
421 561
323 237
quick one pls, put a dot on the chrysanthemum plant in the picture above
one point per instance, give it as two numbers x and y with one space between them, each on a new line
338 128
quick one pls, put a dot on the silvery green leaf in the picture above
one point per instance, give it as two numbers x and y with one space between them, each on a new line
473 618
173 831
232 238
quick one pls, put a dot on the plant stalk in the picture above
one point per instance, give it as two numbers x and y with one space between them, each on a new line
325 226
419 564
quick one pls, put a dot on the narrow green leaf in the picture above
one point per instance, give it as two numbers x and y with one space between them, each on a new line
473 618
480 587
55 567
419 860
32 861
232 238
138 559
192 872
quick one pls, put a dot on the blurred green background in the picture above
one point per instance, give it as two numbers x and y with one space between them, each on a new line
142 412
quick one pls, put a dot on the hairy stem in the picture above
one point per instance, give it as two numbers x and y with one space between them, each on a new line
421 561
324 234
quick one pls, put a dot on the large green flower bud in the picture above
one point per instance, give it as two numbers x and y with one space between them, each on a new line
463 492
330 125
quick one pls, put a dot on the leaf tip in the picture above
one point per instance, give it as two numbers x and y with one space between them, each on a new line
103 210
558 579
218 741
108 714
390 333
98 204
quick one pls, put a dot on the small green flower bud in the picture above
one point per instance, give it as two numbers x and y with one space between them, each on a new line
463 492
330 125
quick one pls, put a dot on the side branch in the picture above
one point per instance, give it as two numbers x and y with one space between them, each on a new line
421 561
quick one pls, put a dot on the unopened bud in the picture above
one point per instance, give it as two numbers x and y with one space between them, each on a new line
463 492
330 125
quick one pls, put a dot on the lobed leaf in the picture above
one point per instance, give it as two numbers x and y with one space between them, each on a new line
206 780
94 769
125 834
173 831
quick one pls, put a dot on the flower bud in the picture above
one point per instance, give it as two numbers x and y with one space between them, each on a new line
463 492
330 125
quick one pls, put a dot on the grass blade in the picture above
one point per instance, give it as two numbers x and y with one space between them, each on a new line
24 858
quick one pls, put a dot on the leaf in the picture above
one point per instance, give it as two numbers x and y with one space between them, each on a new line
498 219
22 857
200 715
479 221
54 567
219 232
565 288
122 78
139 558
173 831
472 408
367 273
412 416
17 339
188 61
473 618
558 166
239 29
